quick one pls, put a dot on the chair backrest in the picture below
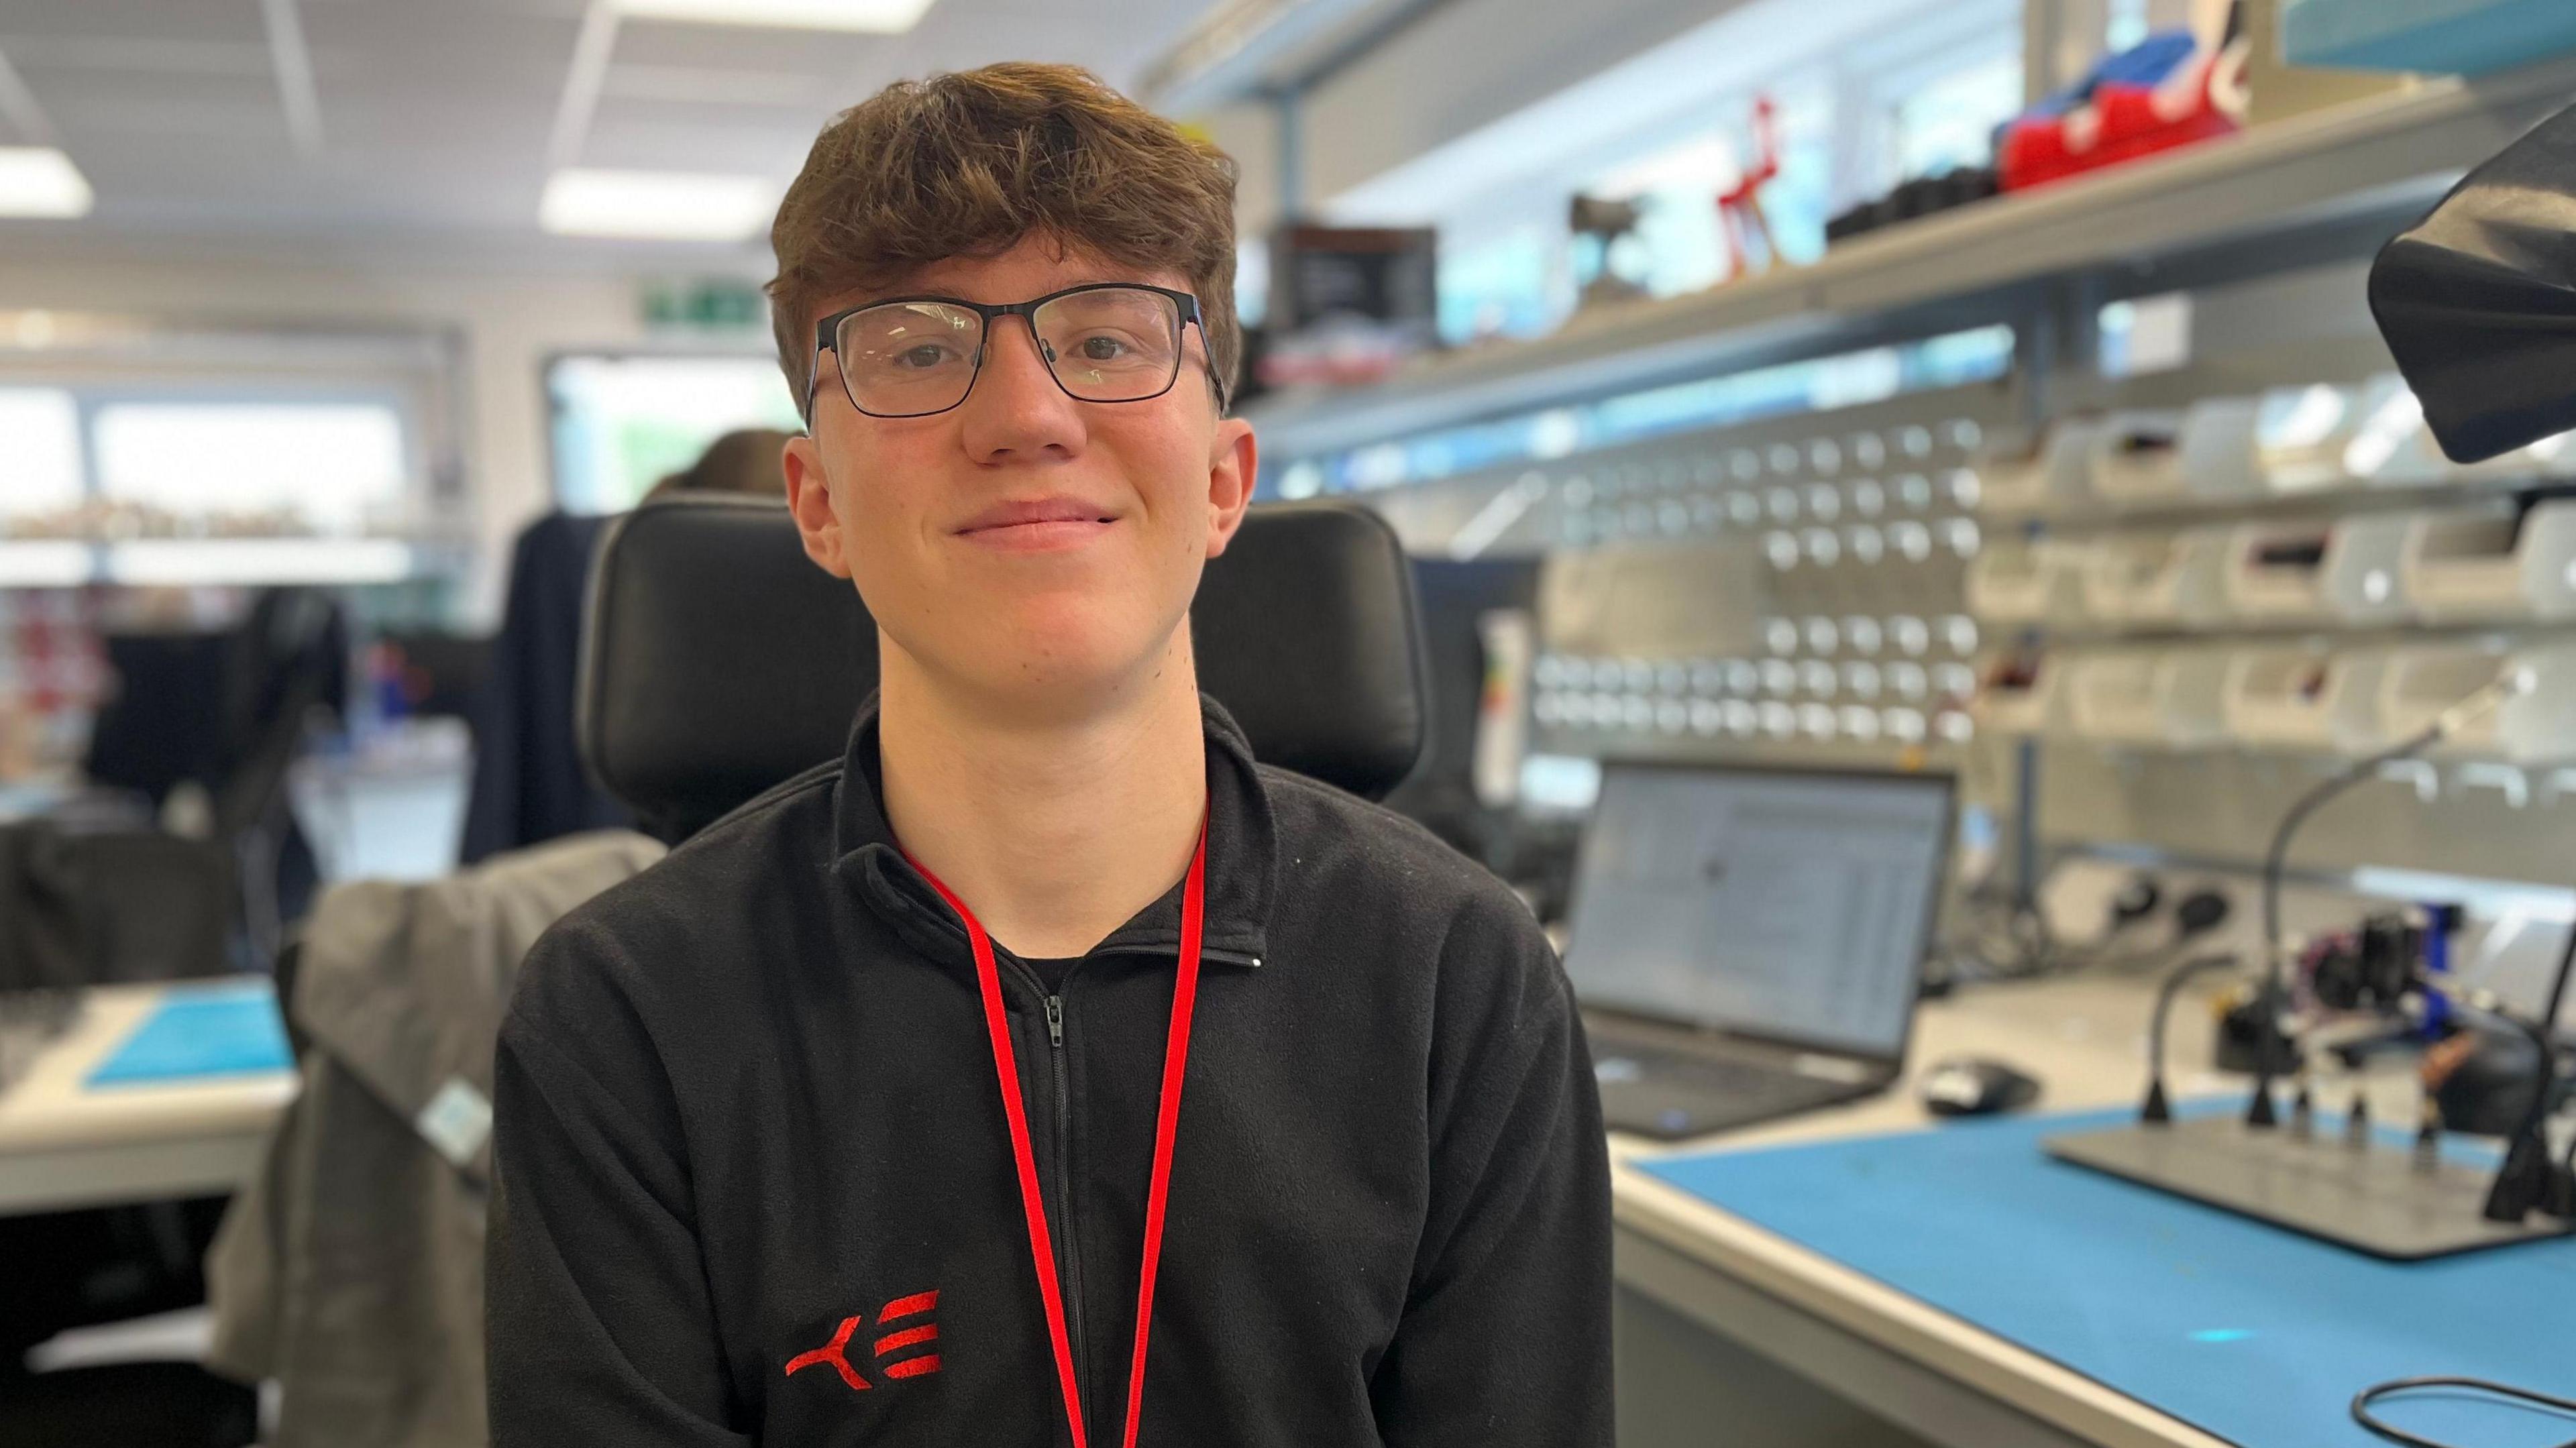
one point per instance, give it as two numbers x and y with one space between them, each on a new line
718 660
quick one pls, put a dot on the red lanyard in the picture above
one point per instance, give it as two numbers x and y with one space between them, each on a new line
1176 1054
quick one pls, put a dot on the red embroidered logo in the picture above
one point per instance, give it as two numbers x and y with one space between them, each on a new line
836 1352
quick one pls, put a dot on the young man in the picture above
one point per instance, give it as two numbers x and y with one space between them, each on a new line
1045 1071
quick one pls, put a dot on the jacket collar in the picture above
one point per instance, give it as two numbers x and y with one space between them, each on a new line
1242 859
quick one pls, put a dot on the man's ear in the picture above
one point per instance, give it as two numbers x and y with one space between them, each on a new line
809 497
1234 466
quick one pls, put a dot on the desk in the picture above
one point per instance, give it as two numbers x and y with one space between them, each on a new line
1722 1322
63 1145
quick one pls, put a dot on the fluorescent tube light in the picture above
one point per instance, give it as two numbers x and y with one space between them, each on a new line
876 17
206 562
46 563
664 205
41 181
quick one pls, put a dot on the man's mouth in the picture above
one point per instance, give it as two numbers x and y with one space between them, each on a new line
1038 524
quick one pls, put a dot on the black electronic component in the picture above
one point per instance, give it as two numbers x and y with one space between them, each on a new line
1975 1086
2370 969
2199 913
2485 1081
2252 1042
2136 901
2157 1109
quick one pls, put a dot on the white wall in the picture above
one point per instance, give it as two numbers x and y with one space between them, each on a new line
512 312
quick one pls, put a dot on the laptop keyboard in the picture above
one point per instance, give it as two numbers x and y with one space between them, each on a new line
1641 1085
1728 1077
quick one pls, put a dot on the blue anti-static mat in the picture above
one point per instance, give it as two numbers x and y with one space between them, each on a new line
2253 1334
198 1033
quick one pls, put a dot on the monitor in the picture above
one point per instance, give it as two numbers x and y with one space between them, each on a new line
1789 905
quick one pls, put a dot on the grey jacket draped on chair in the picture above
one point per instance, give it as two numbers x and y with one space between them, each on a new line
351 1269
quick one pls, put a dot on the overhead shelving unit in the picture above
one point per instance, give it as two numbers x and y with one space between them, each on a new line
2193 217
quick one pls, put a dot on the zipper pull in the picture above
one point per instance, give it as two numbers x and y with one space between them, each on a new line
1055 1021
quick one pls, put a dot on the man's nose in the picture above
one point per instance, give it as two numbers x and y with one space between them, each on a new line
1017 407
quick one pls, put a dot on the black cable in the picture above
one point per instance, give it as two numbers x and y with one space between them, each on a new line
2523 1181
2362 1401
2157 1110
2259 1110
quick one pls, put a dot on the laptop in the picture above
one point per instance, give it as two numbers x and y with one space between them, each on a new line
1748 942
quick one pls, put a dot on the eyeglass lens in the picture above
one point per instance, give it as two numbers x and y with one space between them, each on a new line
1106 344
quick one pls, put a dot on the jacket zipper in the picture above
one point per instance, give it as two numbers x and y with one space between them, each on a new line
1069 1252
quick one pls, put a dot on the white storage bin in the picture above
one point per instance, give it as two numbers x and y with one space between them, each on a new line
2019 582
2068 461
2354 715
2219 458
2137 457
2191 696
2364 578
2019 476
2481 564
2155 578
2119 573
2150 457
2421 682
2111 697
2172 698
2012 474
2304 435
2018 694
2277 697
2538 726
2276 571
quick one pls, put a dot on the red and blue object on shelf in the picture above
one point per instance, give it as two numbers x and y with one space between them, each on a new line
2166 91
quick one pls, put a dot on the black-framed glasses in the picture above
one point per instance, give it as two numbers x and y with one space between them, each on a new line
1103 342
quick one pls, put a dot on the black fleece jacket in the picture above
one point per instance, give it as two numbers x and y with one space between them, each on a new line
746 1108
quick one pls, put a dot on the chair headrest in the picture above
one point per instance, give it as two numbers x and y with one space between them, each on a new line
717 660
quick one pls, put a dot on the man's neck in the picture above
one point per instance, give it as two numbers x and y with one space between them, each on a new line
1054 833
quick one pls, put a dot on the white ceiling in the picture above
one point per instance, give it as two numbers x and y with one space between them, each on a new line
434 117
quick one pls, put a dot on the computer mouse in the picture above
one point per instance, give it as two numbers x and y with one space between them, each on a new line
1975 1086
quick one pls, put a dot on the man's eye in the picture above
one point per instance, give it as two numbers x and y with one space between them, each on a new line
1103 349
928 354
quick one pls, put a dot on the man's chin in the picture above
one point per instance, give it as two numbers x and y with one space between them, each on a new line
1057 674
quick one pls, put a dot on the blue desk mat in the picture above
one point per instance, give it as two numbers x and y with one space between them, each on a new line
198 1033
2253 1334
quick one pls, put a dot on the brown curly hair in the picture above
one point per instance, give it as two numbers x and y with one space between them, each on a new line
968 163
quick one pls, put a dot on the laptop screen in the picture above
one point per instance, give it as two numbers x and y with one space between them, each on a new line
1775 903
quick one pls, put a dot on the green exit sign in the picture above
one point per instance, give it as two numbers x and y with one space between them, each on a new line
710 304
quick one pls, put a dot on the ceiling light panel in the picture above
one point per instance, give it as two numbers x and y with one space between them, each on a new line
875 17
660 205
41 181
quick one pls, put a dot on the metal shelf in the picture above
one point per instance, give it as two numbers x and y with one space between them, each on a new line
2373 163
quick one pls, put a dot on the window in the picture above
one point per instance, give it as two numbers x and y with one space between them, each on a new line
622 424
1949 120
2151 334
1502 286
253 469
2124 24
1860 106
1681 237
40 440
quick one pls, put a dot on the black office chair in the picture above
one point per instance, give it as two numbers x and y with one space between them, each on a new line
719 660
